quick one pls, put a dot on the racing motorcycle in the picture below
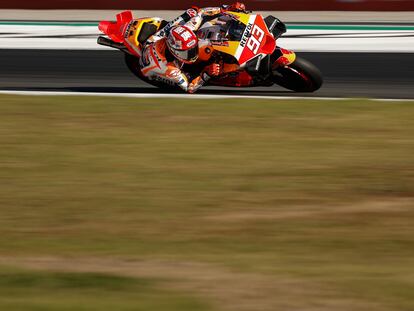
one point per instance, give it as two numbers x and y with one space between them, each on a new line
244 42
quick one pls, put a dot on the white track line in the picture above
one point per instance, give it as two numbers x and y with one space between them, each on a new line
183 96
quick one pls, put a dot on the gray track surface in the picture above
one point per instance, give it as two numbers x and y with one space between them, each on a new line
376 75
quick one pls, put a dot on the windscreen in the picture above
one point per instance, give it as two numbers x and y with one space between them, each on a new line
235 30
223 28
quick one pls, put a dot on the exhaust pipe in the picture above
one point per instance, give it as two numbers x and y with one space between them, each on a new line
108 42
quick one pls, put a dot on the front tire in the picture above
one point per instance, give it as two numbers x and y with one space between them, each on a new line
300 76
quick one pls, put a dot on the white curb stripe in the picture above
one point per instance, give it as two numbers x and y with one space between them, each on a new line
186 96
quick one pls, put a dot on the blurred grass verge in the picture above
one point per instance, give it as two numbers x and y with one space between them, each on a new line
229 204
25 290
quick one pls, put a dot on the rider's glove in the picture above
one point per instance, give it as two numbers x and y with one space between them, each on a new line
212 70
235 7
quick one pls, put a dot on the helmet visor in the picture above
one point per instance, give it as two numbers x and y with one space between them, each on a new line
190 55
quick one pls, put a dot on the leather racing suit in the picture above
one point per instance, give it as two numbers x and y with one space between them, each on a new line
158 64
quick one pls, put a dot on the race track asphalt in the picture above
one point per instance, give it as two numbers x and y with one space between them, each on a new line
374 75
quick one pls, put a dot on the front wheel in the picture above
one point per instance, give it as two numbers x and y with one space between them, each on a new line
300 76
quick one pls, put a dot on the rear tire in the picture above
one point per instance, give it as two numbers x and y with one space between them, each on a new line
300 76
132 63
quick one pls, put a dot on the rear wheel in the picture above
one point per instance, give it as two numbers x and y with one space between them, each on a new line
300 76
132 63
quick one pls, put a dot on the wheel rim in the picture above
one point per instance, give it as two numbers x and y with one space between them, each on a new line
304 82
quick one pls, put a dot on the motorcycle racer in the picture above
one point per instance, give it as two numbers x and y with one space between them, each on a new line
239 49
166 52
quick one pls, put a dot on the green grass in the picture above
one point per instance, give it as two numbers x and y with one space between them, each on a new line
281 205
32 291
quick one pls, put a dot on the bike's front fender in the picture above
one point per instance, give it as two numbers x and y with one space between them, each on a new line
283 57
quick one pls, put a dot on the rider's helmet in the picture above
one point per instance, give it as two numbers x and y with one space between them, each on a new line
183 44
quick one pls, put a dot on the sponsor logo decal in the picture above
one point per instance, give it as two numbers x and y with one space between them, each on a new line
252 40
128 28
191 12
163 80
184 33
219 43
246 34
191 43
